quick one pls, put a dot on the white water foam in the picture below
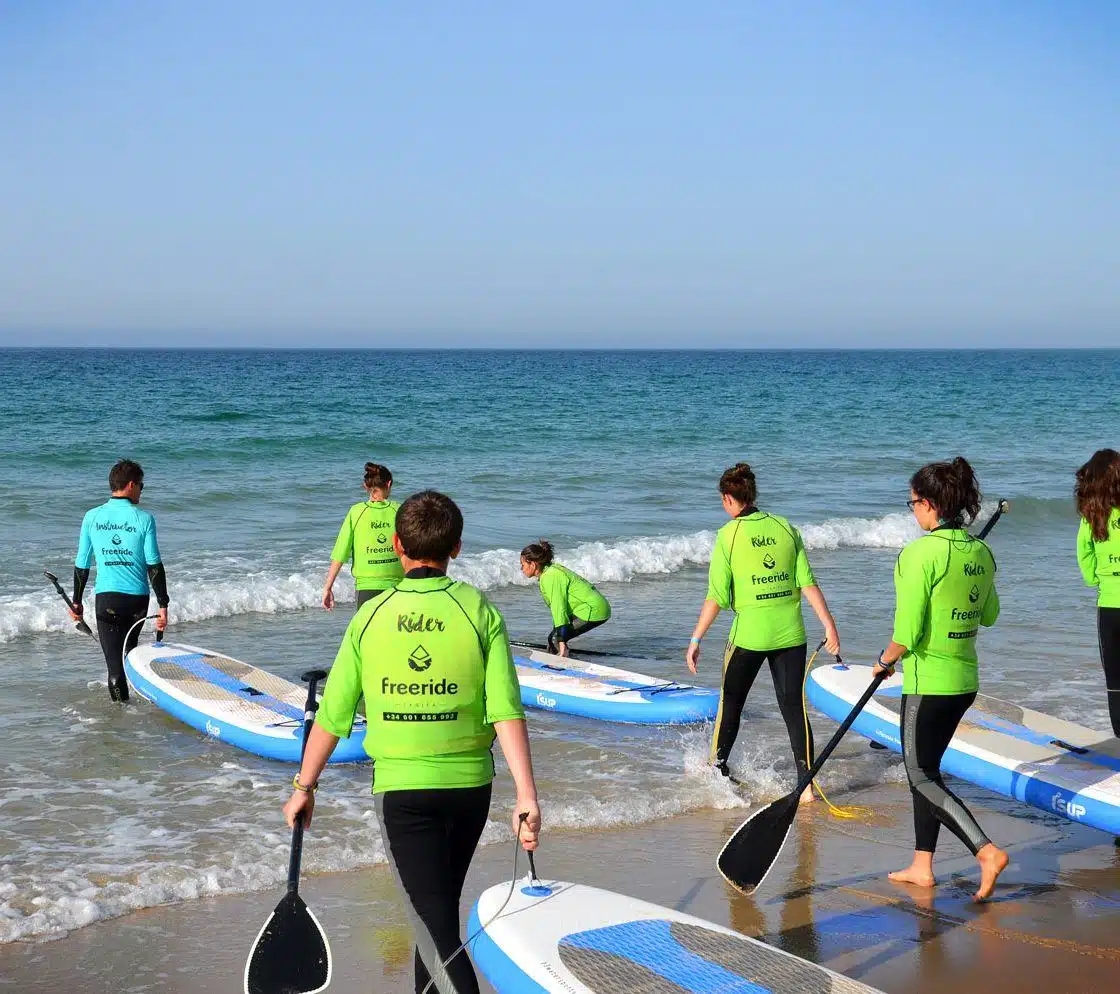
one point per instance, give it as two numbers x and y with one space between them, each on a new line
205 590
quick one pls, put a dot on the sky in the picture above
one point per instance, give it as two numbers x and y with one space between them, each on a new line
625 174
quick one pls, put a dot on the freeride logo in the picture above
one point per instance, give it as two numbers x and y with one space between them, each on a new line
419 660
768 561
117 540
974 594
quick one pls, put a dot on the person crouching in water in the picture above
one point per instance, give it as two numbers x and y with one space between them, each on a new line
760 570
432 659
945 591
576 606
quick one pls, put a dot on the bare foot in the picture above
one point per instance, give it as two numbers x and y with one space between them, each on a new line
807 795
992 862
913 875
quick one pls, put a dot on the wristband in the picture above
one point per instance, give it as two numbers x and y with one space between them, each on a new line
694 639
301 787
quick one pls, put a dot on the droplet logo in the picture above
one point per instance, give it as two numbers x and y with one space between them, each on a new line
974 594
768 561
117 540
419 660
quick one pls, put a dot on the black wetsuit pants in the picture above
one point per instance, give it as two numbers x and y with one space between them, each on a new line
116 614
741 666
565 633
1108 638
929 722
430 837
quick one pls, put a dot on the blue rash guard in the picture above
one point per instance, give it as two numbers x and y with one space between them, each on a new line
122 539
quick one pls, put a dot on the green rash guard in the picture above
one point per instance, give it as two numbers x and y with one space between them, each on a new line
432 659
758 569
945 589
1100 561
365 540
568 595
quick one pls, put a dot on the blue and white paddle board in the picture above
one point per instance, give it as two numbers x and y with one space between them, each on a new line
231 701
1049 763
556 683
570 938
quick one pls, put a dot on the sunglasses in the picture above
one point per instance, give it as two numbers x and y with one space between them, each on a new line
915 500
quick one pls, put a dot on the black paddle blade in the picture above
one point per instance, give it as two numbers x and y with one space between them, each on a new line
291 955
748 855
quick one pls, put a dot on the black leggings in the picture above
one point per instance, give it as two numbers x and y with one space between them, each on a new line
565 633
929 722
430 837
116 614
741 666
367 595
1108 639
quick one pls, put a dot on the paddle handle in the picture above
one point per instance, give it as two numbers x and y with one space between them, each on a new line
310 706
1000 508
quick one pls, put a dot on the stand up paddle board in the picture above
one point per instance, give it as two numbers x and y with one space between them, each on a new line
564 937
1054 765
557 683
229 700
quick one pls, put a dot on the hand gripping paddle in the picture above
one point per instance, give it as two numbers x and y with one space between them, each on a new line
291 954
748 855
81 626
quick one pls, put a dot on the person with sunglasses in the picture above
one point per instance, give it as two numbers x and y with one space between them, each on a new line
945 592
121 538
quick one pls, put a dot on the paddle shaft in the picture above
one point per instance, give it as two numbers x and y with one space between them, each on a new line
311 705
80 625
581 652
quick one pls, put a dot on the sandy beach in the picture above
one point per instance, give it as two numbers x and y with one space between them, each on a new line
1052 927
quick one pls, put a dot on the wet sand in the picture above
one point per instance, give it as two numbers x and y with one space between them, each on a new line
1053 927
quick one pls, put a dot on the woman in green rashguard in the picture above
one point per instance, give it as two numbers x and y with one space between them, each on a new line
945 591
576 606
1098 554
365 540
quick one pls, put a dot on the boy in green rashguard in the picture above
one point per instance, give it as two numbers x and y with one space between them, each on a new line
365 540
576 606
432 659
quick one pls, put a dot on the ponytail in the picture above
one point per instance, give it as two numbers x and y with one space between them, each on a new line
538 553
951 488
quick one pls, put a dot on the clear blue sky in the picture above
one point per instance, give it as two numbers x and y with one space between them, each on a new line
602 173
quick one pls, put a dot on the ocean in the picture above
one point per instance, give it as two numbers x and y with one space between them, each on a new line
252 458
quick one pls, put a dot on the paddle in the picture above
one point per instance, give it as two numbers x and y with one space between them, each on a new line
81 626
749 854
291 954
578 652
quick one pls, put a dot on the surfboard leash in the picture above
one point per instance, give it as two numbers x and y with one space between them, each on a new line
851 812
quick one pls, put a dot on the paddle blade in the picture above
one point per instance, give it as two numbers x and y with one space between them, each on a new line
748 855
291 954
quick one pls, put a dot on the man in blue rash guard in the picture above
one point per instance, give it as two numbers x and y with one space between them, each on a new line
122 539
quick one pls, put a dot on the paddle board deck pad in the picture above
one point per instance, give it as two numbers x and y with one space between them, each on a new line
229 700
1049 763
556 683
576 939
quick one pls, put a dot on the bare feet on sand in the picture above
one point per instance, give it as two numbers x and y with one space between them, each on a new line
913 875
992 862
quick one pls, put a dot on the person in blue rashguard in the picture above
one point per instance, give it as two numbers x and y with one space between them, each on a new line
121 538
